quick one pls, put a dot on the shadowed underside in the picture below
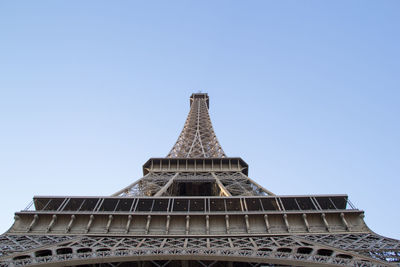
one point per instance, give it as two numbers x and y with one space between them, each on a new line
195 207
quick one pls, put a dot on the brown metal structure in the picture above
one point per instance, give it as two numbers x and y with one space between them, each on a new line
195 207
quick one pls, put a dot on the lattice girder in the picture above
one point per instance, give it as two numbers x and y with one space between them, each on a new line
233 183
148 185
288 250
197 139
10 244
370 244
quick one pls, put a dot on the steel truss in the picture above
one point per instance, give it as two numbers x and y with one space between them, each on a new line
197 139
171 263
230 183
299 250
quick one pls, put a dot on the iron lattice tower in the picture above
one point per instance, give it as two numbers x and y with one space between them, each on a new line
195 207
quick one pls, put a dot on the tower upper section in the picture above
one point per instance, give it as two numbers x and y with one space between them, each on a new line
197 139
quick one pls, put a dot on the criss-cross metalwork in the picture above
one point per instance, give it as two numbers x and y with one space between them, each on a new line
197 139
293 250
195 208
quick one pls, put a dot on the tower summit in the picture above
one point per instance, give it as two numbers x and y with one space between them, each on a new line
195 207
197 139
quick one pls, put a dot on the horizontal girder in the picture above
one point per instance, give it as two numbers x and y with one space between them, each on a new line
288 250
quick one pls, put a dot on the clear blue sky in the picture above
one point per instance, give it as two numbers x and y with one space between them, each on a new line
307 92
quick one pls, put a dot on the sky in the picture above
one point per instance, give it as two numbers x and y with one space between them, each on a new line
306 92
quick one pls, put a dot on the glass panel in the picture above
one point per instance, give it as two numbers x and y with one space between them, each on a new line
124 205
74 204
305 203
160 205
197 205
181 204
108 205
144 205
289 204
217 204
269 204
253 204
233 204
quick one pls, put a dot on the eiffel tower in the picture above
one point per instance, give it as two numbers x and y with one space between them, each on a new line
195 207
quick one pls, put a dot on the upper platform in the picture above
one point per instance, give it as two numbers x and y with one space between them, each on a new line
203 96
195 165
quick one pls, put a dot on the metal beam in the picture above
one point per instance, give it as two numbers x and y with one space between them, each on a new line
165 188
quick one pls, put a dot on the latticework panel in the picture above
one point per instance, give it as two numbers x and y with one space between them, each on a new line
291 250
368 244
236 183
148 185
10 244
197 139
239 184
186 263
194 176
